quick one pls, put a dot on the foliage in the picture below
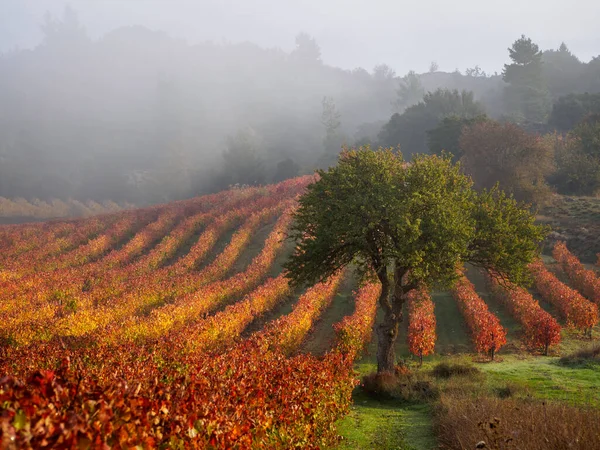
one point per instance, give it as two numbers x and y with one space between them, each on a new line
20 208
587 356
286 169
446 135
586 281
243 398
161 394
354 331
563 71
487 334
408 130
410 91
570 110
421 324
449 370
541 330
114 291
578 312
526 94
578 159
287 332
494 152
307 51
330 118
243 164
419 220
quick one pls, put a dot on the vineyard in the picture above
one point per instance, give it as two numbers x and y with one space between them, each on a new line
21 209
174 326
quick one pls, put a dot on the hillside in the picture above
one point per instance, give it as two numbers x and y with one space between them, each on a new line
173 325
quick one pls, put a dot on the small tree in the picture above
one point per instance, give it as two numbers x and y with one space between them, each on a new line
406 224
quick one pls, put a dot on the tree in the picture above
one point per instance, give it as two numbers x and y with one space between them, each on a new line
408 225
409 92
570 110
307 50
578 159
504 153
383 72
242 161
446 136
562 71
526 95
433 67
286 169
65 32
475 72
330 118
409 129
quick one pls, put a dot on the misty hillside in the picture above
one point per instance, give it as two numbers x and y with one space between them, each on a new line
139 116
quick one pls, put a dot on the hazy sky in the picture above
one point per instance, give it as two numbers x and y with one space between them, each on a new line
351 33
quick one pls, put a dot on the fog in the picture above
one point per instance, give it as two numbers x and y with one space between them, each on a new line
351 33
149 101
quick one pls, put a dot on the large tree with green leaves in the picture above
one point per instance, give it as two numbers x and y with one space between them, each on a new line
406 224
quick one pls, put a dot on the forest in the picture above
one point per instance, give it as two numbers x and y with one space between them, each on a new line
137 116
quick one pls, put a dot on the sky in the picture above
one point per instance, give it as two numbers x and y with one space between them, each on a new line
352 33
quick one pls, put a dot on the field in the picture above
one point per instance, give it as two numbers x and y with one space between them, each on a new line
173 327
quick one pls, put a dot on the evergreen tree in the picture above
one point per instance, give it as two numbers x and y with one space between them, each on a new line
332 141
526 94
410 91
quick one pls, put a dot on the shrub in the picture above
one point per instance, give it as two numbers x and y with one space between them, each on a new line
584 356
447 370
409 387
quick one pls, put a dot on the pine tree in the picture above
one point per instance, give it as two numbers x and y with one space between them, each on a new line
526 94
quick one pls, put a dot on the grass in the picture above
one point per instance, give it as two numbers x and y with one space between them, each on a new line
255 246
586 357
508 423
560 389
322 336
517 374
452 334
376 424
576 220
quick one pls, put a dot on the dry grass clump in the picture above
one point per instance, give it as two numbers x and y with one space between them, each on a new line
401 385
501 424
587 355
448 370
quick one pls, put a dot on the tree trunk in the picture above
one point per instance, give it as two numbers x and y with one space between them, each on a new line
386 348
387 332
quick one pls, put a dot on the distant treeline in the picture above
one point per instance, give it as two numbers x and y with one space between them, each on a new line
20 209
141 117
